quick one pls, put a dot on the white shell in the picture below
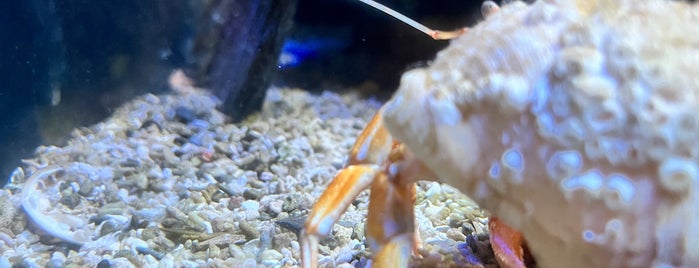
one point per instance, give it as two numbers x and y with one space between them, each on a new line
608 99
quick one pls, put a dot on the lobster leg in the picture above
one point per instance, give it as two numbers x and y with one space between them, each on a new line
391 218
344 188
371 148
376 161
508 244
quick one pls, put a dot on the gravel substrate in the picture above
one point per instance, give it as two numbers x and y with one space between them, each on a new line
167 182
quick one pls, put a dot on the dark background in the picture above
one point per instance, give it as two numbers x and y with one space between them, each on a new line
95 55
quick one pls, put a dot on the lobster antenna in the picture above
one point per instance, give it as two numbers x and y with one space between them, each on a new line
436 35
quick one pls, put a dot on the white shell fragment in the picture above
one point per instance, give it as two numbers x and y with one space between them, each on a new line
38 206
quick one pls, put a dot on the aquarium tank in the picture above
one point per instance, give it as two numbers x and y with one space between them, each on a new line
315 133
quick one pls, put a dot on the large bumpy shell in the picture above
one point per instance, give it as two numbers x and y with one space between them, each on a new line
575 121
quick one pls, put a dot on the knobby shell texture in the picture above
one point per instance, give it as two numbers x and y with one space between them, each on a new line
575 122
166 181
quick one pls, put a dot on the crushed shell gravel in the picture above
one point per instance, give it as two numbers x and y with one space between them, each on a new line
167 181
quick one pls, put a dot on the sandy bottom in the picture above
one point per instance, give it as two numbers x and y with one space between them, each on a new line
166 181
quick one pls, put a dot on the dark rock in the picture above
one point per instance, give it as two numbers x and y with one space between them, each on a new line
252 194
293 223
237 49
70 201
184 114
104 264
180 140
150 123
130 162
149 251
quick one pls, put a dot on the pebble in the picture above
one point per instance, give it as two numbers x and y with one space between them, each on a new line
86 188
249 263
248 230
276 206
7 210
294 224
245 160
168 261
455 234
149 233
153 214
214 251
149 251
437 213
254 194
252 209
57 260
236 252
266 176
184 114
198 124
347 252
140 180
270 257
132 243
251 248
